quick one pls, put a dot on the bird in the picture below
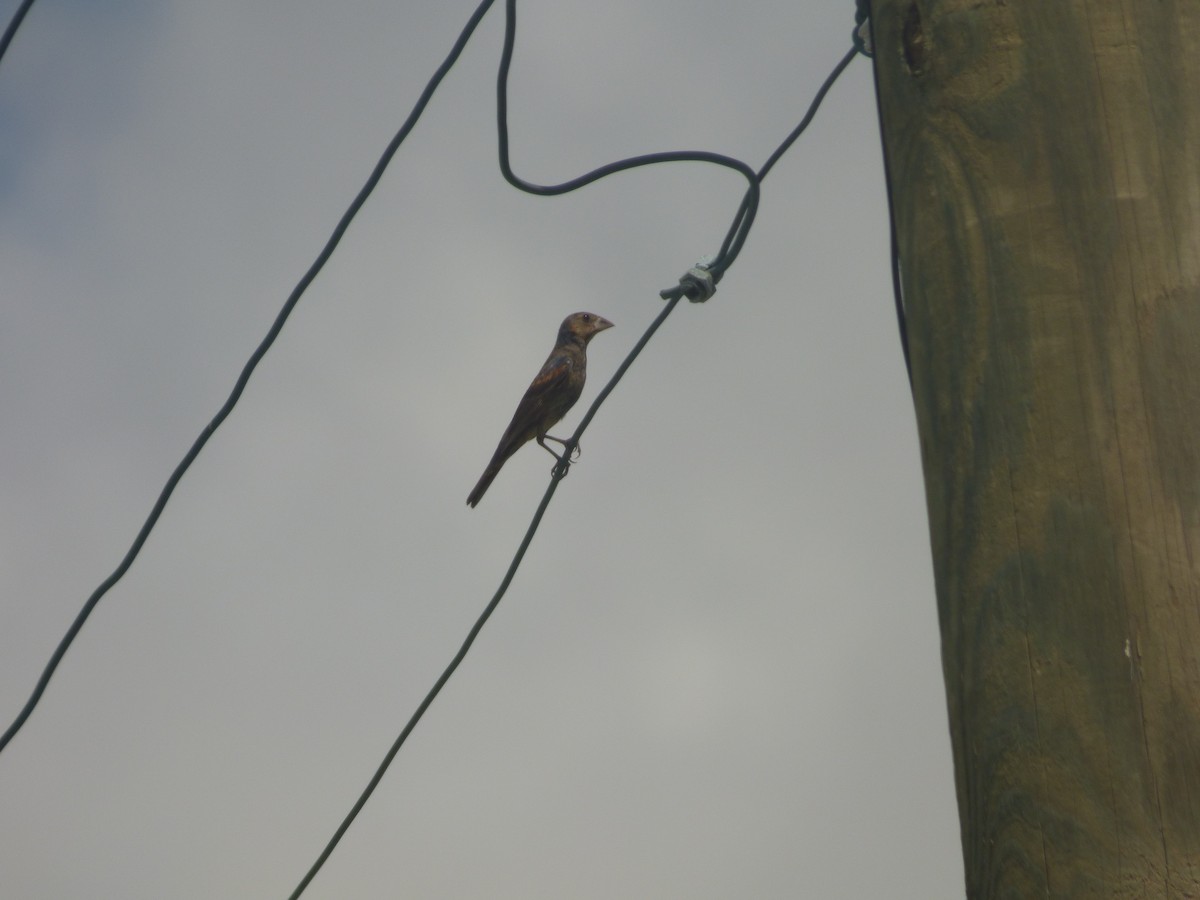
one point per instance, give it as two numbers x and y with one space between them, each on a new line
551 394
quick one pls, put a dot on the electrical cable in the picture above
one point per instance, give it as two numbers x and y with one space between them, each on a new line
559 474
745 216
729 249
864 14
13 24
732 245
244 378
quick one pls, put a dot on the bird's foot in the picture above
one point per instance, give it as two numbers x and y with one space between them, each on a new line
571 449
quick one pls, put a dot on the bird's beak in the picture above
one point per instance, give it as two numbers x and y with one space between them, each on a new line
600 324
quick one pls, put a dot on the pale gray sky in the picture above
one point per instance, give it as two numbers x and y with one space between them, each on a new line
717 673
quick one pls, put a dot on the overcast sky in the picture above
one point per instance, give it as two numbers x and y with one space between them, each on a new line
716 675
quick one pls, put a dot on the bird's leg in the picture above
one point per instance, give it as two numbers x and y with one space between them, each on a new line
542 438
568 444
564 461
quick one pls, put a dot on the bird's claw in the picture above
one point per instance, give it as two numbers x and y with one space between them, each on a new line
571 449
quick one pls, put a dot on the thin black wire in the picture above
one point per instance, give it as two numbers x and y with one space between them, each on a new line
294 298
733 242
729 249
740 229
13 24
573 440
865 14
559 474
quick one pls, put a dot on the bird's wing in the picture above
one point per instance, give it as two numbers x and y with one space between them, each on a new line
545 392
541 400
555 374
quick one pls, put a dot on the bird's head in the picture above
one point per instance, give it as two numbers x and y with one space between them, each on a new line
582 326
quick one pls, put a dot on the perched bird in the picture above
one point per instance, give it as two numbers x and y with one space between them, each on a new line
552 393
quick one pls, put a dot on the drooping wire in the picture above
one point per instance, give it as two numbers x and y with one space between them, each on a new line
13 24
729 249
732 245
244 378
864 14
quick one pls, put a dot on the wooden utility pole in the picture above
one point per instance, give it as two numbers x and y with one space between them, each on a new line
1045 165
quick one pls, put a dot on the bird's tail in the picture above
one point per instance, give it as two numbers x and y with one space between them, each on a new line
484 482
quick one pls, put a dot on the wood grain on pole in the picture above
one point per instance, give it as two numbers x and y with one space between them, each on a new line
1045 157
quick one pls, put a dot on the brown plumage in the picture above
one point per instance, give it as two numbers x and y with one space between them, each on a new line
553 392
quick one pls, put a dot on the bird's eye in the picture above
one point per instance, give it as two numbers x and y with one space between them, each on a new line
586 317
